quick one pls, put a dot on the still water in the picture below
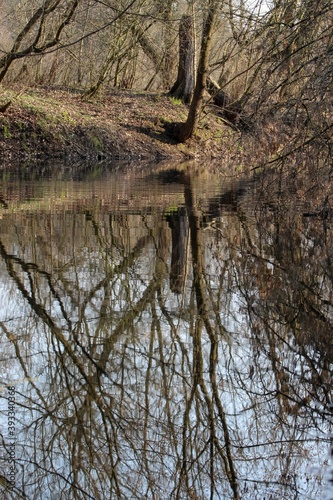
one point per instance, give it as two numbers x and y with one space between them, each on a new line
165 334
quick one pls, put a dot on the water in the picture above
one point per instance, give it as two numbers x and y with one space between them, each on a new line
164 334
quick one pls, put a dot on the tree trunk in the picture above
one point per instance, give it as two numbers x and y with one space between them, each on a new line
184 85
187 129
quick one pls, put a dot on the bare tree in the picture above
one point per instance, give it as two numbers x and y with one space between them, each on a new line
41 32
187 129
184 85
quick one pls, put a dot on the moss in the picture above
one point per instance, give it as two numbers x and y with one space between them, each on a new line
175 101
96 141
6 132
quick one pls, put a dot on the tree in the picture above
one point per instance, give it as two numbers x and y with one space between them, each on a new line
187 129
41 32
184 85
132 40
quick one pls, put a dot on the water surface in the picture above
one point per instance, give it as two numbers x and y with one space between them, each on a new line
164 334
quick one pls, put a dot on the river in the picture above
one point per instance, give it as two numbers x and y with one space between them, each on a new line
165 333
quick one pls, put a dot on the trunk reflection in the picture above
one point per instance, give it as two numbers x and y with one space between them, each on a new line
181 352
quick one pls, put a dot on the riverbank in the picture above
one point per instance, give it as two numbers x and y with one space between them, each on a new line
43 123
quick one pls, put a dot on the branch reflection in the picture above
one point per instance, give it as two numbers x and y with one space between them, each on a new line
183 353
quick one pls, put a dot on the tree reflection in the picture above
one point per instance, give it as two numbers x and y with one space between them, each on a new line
178 223
178 356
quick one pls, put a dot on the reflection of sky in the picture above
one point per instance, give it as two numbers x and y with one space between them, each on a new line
260 430
9 296
241 395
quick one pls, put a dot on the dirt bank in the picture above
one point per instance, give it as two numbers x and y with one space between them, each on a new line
46 123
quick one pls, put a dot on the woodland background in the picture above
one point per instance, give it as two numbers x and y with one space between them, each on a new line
273 59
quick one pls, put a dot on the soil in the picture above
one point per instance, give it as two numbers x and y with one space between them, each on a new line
49 123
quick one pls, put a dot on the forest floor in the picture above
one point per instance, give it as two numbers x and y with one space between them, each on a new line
43 123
